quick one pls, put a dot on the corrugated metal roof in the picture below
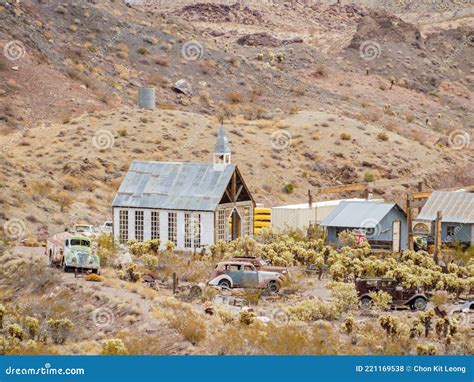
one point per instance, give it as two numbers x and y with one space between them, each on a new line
222 144
457 207
174 186
357 214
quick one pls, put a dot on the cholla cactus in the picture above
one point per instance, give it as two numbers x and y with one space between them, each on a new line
2 314
114 346
16 331
60 329
32 325
247 317
349 325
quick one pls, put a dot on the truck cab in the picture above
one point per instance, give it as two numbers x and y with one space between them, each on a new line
72 252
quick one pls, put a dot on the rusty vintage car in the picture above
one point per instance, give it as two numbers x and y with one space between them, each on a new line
262 265
242 274
400 296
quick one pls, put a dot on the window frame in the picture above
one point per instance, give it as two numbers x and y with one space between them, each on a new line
139 225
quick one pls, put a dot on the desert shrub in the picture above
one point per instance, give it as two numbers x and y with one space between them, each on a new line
381 299
2 314
225 316
64 199
32 324
393 326
344 294
143 50
369 176
313 310
383 136
186 321
59 329
131 273
106 249
289 188
345 136
151 261
93 277
122 132
247 317
348 325
113 346
16 331
234 97
347 238
439 298
425 349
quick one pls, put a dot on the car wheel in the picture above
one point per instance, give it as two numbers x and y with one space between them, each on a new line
225 284
366 303
420 304
65 267
50 261
273 287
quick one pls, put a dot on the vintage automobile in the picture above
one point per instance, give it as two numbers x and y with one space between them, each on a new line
71 252
241 274
262 265
400 296
85 230
106 227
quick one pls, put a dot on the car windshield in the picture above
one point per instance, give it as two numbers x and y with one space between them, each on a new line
82 228
84 243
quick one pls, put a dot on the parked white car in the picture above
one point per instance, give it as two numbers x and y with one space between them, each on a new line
86 230
106 227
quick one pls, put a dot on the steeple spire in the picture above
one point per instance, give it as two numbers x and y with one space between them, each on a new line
222 151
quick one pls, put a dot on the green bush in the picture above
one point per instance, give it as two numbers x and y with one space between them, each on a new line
59 329
113 346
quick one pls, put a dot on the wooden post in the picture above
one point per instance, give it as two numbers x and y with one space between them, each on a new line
310 199
175 282
438 237
411 245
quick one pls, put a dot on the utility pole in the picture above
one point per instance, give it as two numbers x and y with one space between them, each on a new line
438 237
411 245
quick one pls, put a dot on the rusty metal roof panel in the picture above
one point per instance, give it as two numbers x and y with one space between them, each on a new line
173 186
456 207
354 214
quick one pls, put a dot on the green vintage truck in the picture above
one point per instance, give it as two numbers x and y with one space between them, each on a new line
72 252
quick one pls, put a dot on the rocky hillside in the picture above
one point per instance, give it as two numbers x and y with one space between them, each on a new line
354 92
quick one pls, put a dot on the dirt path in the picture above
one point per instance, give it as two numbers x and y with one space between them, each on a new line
108 294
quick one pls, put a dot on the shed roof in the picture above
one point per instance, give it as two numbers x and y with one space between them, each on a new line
456 207
173 186
358 214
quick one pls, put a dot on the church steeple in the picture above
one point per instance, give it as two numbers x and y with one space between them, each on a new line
222 151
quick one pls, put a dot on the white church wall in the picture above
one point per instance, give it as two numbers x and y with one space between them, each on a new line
207 226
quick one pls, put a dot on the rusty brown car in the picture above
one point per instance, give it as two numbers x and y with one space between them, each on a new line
400 296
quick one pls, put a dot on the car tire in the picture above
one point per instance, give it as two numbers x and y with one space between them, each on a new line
50 261
365 302
419 304
66 269
273 287
224 284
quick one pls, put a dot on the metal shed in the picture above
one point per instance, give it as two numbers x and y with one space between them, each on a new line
457 210
300 216
383 223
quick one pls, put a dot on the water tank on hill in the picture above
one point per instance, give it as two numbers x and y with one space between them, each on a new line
146 98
